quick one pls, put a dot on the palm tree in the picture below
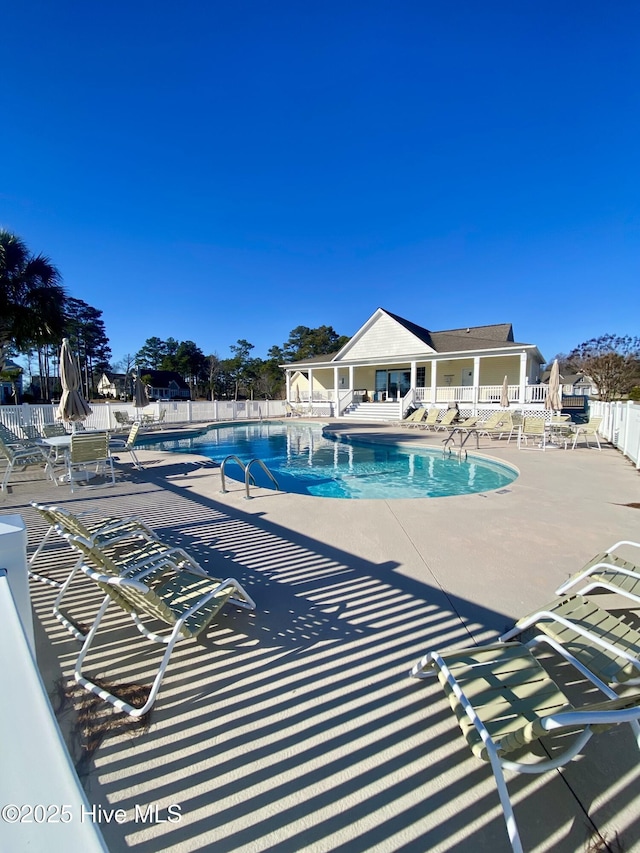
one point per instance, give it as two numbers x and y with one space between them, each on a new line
31 297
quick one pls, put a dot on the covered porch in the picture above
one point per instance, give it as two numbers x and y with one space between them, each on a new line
472 382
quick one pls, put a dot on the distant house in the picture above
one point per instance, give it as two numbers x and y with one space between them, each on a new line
572 383
165 385
161 385
11 384
113 385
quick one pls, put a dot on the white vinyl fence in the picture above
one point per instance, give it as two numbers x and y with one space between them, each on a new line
620 425
103 417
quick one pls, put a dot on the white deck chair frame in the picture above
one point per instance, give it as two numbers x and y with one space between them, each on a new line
245 601
561 719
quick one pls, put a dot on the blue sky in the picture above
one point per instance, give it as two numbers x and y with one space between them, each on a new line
219 170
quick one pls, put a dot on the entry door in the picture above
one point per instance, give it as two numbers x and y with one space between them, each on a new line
467 377
399 384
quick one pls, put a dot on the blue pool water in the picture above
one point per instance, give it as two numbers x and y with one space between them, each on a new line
305 462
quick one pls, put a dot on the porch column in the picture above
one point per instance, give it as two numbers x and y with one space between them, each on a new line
434 376
476 383
310 385
523 378
287 374
350 377
335 392
414 377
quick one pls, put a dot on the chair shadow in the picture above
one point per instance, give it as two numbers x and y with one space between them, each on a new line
297 727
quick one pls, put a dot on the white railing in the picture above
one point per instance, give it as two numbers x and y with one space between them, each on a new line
38 776
103 414
454 394
535 393
493 393
344 401
407 401
620 425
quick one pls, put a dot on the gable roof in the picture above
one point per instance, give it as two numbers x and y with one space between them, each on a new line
418 340
164 378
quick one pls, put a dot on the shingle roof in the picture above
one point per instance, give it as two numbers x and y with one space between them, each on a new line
163 378
493 336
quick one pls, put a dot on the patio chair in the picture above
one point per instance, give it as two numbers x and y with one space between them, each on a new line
585 430
123 419
505 702
103 531
31 432
595 641
608 571
185 602
119 444
409 419
447 420
419 417
55 431
414 418
88 450
468 423
127 560
290 411
431 419
23 456
497 425
51 430
11 437
534 428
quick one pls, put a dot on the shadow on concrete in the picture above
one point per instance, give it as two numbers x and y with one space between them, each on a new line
297 728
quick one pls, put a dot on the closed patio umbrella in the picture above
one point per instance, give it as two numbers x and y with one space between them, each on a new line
504 396
140 395
552 400
73 407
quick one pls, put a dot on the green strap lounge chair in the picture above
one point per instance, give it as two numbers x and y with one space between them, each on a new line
89 450
123 419
415 417
120 445
185 602
14 439
53 430
446 420
497 425
534 429
431 419
128 559
102 531
590 429
468 423
421 416
505 702
595 641
23 456
608 571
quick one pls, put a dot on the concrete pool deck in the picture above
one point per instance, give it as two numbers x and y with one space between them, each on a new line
297 728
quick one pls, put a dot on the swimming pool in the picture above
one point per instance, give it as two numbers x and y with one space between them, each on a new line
305 461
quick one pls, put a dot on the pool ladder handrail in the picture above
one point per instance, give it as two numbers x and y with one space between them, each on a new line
467 432
248 476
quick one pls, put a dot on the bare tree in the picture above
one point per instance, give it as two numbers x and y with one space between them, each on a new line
611 361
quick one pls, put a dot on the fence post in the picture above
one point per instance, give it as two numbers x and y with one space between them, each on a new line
13 533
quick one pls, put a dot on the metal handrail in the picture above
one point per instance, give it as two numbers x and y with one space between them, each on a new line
231 458
247 475
465 434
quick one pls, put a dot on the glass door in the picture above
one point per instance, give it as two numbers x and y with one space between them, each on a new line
399 384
